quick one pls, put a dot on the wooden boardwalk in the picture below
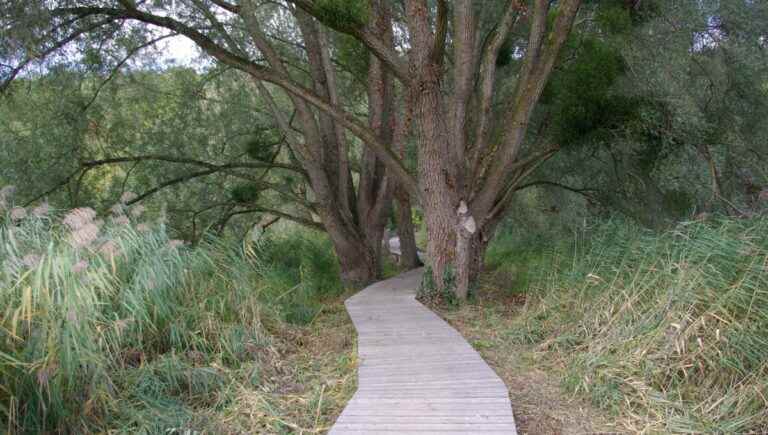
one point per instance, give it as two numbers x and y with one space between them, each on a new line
417 375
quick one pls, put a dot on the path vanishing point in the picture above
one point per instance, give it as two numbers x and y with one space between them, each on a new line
416 374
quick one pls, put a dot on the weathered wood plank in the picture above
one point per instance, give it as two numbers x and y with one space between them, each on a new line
416 374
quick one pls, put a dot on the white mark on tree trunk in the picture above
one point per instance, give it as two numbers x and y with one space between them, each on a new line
466 221
470 225
463 209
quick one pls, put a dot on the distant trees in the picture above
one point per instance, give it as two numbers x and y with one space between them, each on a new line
664 138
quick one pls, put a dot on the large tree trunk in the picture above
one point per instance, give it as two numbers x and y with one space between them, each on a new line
357 263
439 187
358 260
471 244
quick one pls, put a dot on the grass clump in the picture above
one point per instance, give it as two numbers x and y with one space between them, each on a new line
113 326
667 331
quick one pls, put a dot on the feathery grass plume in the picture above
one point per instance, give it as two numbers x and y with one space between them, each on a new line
6 194
41 210
117 209
109 248
79 267
31 260
79 217
150 339
137 210
18 213
127 197
173 244
84 236
120 220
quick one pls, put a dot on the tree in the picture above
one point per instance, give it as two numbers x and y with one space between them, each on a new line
660 139
470 158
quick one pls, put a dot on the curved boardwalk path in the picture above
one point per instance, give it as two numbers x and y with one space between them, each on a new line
417 375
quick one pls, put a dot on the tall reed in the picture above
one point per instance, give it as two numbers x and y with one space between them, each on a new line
668 330
108 323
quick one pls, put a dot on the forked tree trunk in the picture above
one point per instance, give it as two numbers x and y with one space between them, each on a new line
358 265
358 261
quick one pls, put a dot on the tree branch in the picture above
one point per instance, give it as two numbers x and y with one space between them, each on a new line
543 50
490 53
441 32
235 9
306 222
56 46
378 47
188 161
263 73
584 191
120 64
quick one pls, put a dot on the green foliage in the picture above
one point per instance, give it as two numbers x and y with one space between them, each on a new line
618 17
247 193
505 53
262 145
430 292
582 93
354 55
614 17
302 258
679 202
342 14
667 330
300 313
518 264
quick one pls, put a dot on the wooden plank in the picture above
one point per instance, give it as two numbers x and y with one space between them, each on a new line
417 375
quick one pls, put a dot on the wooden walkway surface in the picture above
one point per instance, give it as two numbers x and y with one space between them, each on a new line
416 374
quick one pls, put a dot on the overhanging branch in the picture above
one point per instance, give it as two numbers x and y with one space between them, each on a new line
261 72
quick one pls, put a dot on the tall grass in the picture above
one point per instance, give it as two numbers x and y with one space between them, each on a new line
114 326
669 331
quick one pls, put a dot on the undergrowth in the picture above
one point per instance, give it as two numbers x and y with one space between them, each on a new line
668 331
112 326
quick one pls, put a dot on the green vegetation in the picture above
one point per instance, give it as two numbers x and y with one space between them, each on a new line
585 164
667 332
342 14
114 326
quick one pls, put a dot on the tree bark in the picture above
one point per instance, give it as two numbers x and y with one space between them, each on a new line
358 262
409 257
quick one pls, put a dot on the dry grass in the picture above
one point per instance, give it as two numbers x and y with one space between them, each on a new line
540 404
308 380
662 332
